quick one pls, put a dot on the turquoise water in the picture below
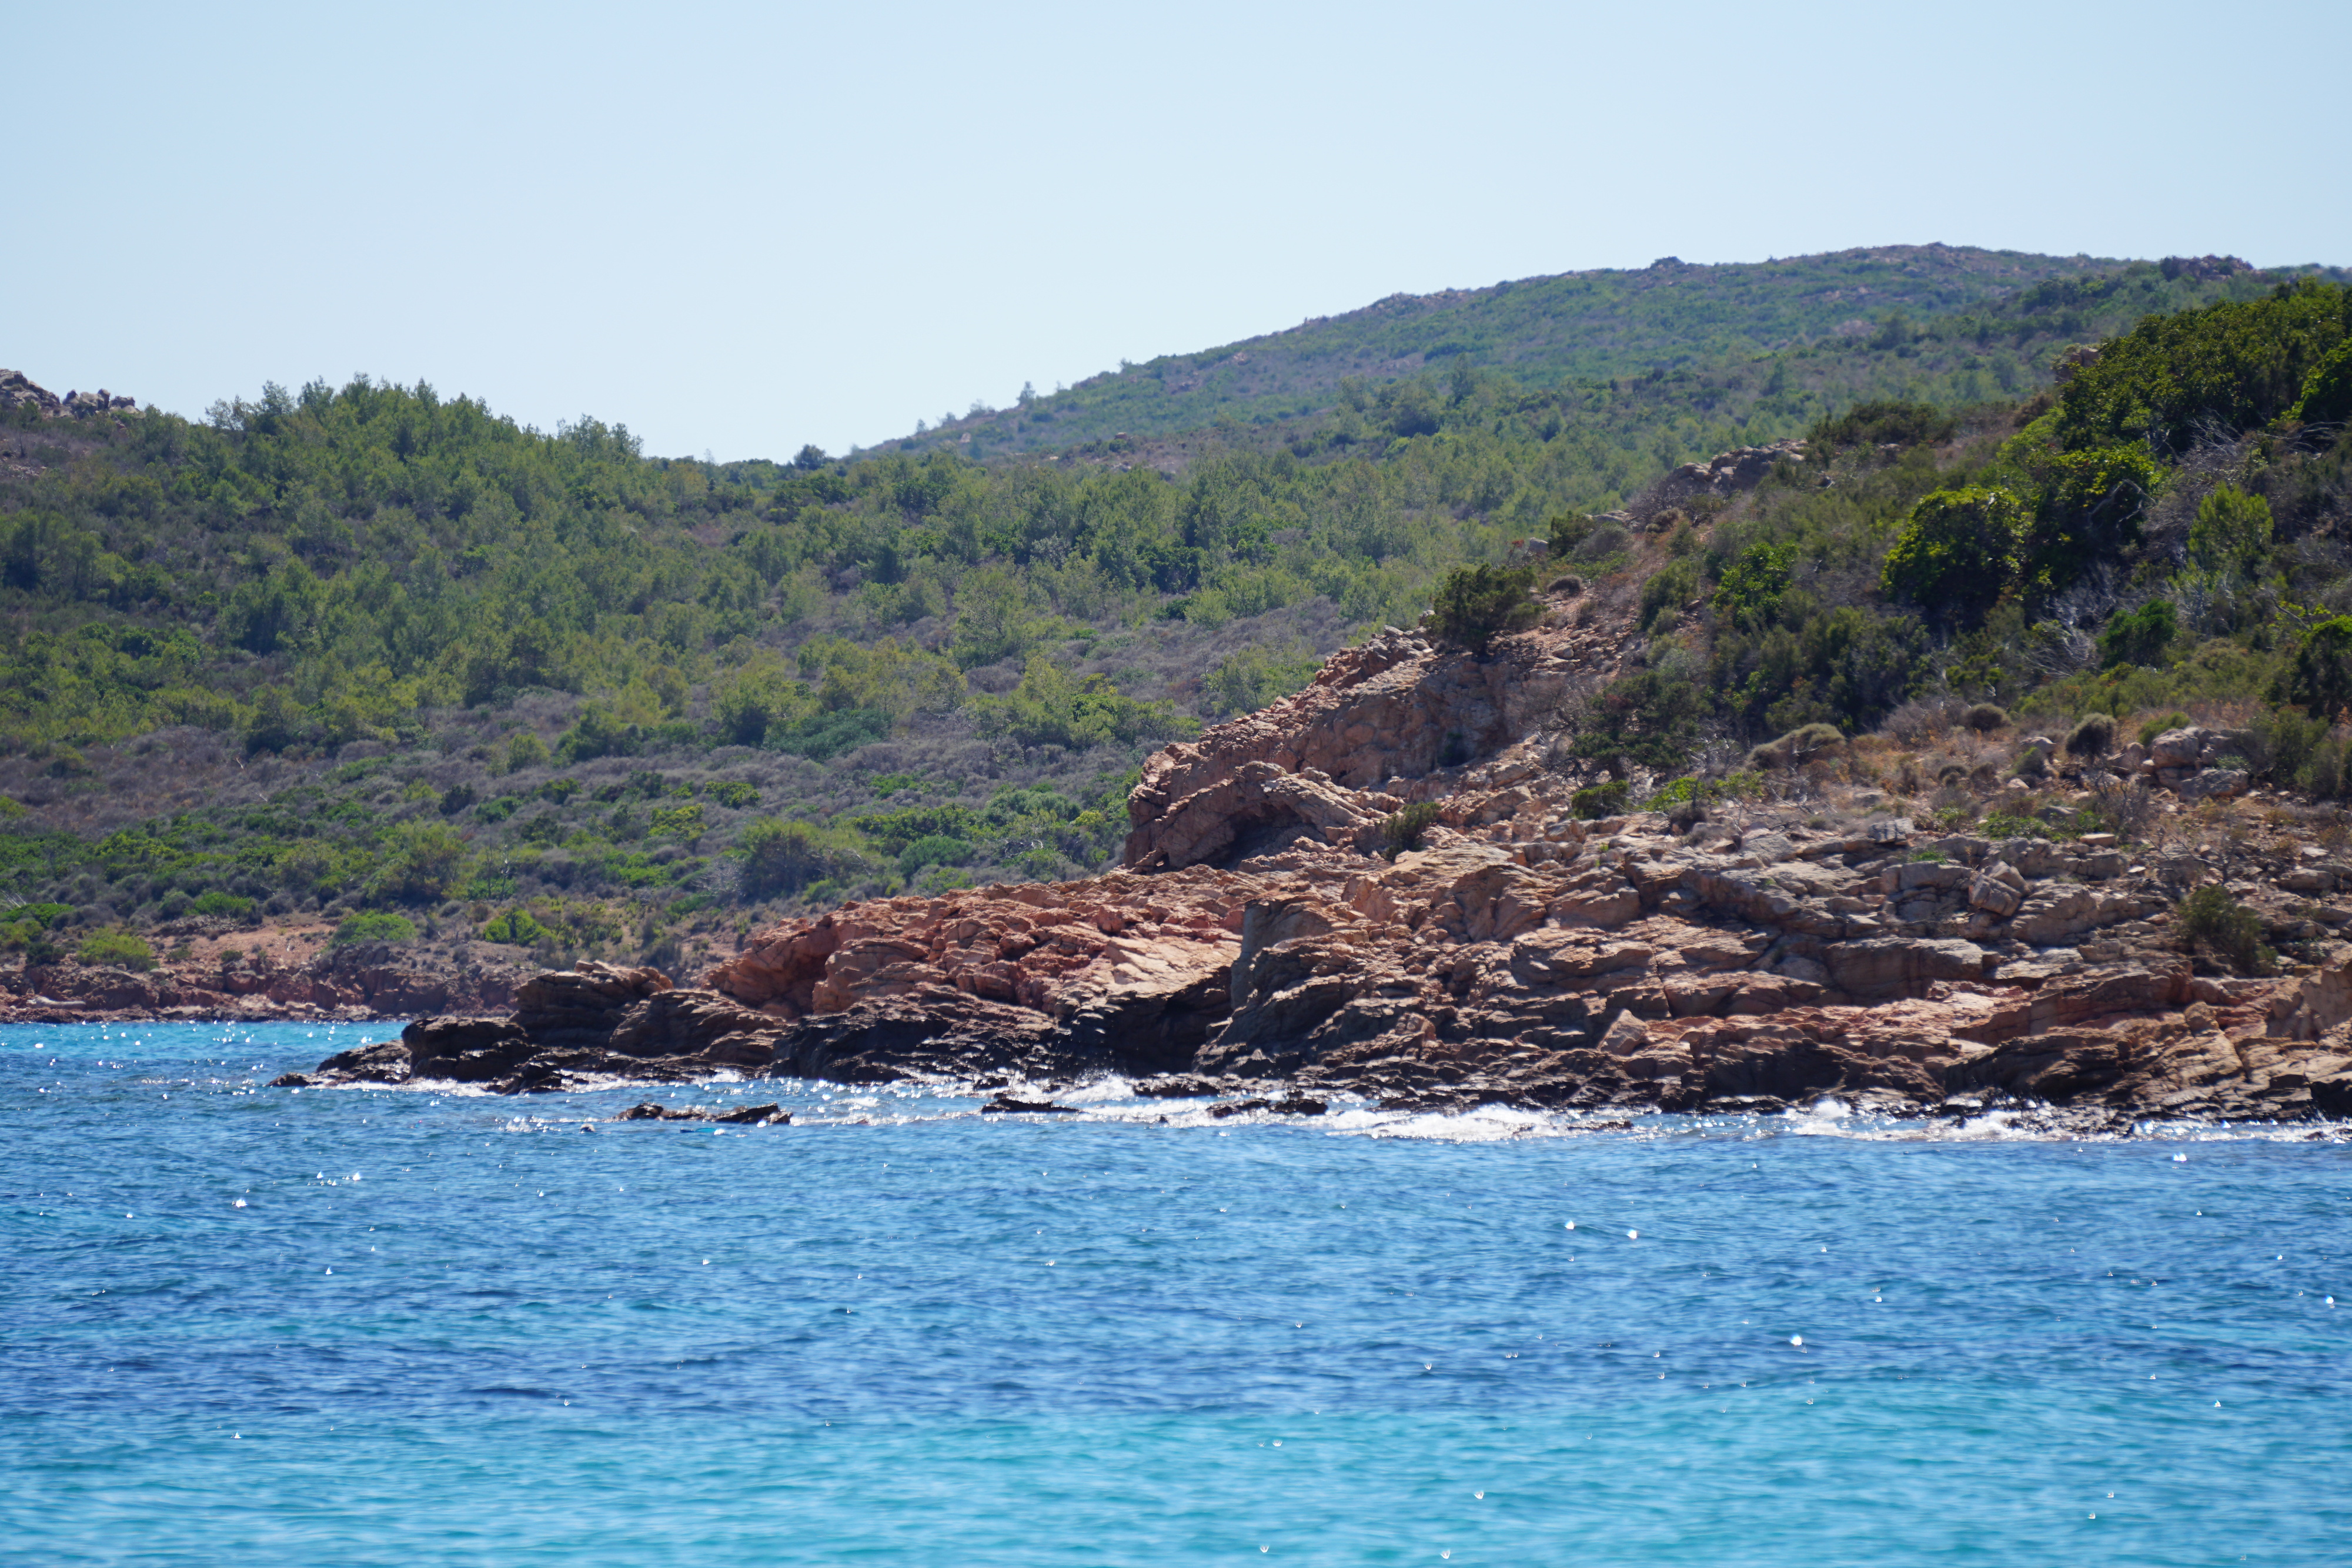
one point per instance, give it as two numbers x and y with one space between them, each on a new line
454 1329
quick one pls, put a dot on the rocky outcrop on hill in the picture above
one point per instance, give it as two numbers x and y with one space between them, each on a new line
1259 942
18 391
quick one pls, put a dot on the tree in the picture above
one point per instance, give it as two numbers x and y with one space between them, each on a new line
1959 552
2139 636
1477 604
2320 678
2231 533
1649 718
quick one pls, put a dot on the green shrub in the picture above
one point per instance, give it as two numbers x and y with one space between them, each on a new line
735 794
217 902
2232 532
421 862
525 749
2210 918
1253 678
1887 423
2088 508
2327 391
2139 636
2160 724
1750 591
598 732
2093 737
1957 553
1477 604
1650 718
2320 676
1667 592
1606 799
781 857
2174 381
121 950
936 849
1053 706
1402 834
373 925
1985 717
517 926
1566 532
823 737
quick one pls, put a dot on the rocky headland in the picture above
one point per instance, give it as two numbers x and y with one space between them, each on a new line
1269 937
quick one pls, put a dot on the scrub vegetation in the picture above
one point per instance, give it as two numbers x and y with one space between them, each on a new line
366 650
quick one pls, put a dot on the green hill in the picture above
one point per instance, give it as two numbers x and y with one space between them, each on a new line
1576 328
336 648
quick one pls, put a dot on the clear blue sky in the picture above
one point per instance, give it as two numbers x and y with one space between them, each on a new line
738 228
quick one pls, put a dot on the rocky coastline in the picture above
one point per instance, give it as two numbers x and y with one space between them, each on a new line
284 974
1259 943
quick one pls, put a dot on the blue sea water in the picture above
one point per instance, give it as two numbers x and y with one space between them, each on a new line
244 1325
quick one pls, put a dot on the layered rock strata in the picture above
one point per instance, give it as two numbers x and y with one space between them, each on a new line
1256 945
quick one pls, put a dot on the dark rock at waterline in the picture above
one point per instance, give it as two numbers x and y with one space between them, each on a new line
1004 1103
768 1116
2115 1042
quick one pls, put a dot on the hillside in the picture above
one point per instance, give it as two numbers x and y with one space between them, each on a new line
367 648
1591 329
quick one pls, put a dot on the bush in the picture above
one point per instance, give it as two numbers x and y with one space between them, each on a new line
421 861
1957 553
1477 604
1649 718
2320 678
756 699
2211 918
1985 717
1253 678
517 927
1793 749
2092 738
1566 532
217 902
1666 592
526 750
1886 424
598 732
2327 391
1402 834
2160 724
1606 799
1054 708
935 849
2140 636
782 857
121 950
2232 532
373 925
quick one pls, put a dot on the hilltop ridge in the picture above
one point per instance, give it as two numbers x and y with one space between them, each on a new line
1546 333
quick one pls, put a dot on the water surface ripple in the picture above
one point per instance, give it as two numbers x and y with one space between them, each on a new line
423 1328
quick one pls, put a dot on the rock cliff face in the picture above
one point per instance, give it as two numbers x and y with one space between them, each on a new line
1256 938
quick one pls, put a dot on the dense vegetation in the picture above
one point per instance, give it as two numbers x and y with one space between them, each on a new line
370 647
1940 324
2165 531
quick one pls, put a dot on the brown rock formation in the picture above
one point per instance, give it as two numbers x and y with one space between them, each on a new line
1521 955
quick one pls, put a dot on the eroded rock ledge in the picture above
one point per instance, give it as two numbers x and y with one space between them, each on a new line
1256 940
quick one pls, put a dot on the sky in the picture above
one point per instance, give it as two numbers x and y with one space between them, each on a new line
738 228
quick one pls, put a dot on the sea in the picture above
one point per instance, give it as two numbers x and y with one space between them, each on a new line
244 1325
